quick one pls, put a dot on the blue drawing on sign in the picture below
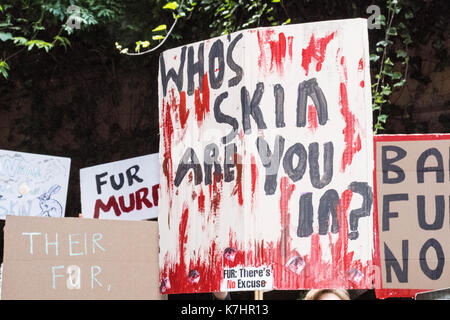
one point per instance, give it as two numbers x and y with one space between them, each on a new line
50 207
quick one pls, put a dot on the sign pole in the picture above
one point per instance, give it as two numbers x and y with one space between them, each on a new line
259 295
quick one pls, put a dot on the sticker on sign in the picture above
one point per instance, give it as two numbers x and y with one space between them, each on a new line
247 278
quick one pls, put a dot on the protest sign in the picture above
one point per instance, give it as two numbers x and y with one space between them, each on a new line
33 184
74 258
267 160
125 190
411 221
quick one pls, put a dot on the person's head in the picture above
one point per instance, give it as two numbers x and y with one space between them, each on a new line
327 294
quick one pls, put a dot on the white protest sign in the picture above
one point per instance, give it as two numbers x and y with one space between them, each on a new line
266 158
126 189
33 184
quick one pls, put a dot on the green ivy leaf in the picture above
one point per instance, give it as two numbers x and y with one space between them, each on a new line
396 75
40 44
386 90
20 41
388 62
160 28
382 43
138 46
63 41
5 36
171 6
4 67
392 31
409 15
158 37
374 57
400 83
381 19
382 118
401 53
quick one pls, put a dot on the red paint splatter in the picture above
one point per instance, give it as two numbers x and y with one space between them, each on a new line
344 68
316 49
259 253
238 187
290 42
312 118
351 146
282 253
286 190
183 237
277 50
341 257
361 65
184 114
210 274
262 53
202 103
215 194
201 202
241 135
167 165
254 176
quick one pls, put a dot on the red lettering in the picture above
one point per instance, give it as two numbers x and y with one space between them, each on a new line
122 203
155 194
112 203
136 200
231 284
141 197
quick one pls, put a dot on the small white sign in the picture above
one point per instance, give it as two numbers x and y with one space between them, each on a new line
247 279
121 190
33 184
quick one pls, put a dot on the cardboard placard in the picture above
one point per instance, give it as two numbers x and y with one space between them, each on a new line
124 190
72 258
411 221
266 160
33 184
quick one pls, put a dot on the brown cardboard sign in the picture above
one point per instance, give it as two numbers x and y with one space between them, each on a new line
72 258
412 184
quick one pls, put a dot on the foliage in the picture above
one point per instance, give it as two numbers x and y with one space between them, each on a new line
387 77
160 33
28 24
231 15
